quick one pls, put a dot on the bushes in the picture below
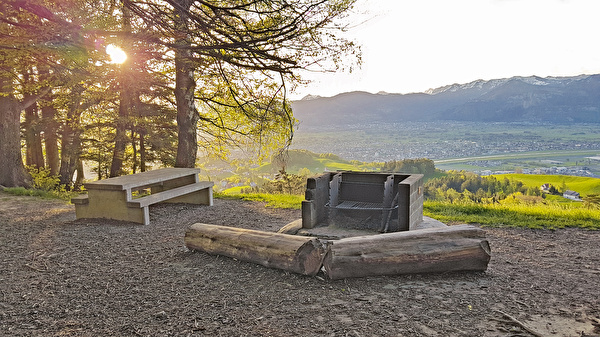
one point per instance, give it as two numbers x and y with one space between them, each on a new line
44 185
422 166
461 185
42 179
284 183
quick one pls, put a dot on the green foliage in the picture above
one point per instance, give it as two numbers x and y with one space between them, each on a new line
52 194
294 166
44 185
239 76
294 161
42 180
413 166
592 201
516 214
284 183
552 190
286 191
468 186
329 156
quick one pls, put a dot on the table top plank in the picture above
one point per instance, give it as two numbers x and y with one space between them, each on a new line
141 179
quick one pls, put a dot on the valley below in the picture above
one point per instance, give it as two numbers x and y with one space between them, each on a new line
471 146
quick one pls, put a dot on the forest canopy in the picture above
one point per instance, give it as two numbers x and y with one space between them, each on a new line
200 76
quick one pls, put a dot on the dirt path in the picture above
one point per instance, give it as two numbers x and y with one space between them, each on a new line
62 277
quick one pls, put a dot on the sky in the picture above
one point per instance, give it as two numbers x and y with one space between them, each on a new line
414 45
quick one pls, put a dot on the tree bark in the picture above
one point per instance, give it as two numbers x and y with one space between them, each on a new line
12 170
142 152
135 154
80 174
116 166
70 138
435 250
298 254
125 106
33 139
49 127
185 86
34 155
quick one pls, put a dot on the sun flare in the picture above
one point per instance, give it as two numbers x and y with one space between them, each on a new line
117 55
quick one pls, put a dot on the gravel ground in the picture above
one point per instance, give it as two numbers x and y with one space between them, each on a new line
65 277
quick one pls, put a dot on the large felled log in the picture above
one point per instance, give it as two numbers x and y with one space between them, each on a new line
298 254
454 248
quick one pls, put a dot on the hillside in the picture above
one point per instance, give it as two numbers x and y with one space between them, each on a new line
583 185
516 99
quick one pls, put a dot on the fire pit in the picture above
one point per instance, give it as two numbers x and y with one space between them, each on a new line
378 202
354 224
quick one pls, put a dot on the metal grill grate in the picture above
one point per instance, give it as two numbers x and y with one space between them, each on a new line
360 205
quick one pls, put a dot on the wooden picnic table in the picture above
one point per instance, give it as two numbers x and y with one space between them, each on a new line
128 197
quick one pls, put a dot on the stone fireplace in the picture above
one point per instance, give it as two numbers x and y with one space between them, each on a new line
371 201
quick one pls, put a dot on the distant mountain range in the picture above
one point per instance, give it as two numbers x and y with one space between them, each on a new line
515 99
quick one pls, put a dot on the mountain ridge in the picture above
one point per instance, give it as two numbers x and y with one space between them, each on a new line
514 99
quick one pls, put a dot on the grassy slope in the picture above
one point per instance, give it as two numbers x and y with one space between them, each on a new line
317 165
555 212
270 200
583 185
551 216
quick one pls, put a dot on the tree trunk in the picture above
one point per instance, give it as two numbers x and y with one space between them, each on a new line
454 248
185 85
12 170
135 153
70 138
116 167
142 153
125 105
50 128
34 155
80 174
33 139
298 254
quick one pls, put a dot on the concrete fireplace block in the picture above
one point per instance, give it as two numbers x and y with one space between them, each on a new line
317 196
385 202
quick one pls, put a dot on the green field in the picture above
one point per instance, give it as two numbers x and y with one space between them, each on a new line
539 216
582 185
523 160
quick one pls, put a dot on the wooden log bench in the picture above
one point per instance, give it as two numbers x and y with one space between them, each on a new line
298 254
115 198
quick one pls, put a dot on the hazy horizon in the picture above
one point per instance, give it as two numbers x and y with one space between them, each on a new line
413 46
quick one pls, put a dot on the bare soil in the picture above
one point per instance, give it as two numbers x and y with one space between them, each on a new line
65 277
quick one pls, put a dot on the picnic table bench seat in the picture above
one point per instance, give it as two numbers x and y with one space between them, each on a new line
169 194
